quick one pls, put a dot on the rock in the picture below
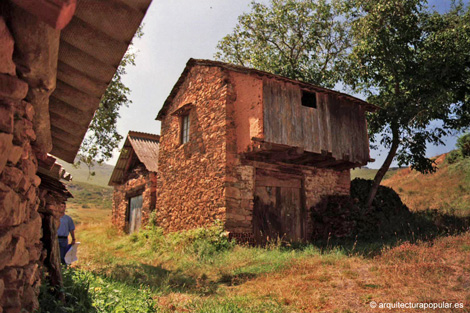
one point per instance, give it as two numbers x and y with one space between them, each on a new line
28 167
12 208
20 254
6 49
12 87
15 154
6 143
36 181
23 131
30 231
2 287
12 176
6 119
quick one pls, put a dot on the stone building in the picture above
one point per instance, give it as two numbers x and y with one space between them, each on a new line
135 180
254 150
56 59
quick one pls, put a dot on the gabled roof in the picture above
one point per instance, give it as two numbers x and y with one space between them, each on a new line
246 70
145 146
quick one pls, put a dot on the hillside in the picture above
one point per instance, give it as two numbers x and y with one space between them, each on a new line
369 173
446 190
82 174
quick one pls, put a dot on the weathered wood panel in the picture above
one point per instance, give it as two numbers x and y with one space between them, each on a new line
278 207
336 126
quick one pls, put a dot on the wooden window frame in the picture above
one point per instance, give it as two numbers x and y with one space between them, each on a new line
309 99
185 123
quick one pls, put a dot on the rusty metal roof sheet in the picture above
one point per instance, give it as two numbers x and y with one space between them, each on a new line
241 69
146 148
91 48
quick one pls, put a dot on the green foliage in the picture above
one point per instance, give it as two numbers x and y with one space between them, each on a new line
201 242
414 65
304 40
463 143
454 156
102 137
76 290
87 293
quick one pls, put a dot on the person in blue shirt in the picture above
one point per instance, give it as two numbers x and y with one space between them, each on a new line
66 226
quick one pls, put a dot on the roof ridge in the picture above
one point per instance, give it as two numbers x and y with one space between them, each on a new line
248 70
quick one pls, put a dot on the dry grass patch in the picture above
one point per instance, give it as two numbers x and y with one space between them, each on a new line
418 273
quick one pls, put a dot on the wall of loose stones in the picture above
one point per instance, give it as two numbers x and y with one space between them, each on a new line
191 176
146 183
20 223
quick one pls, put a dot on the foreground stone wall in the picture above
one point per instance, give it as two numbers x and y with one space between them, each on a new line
20 223
191 176
144 183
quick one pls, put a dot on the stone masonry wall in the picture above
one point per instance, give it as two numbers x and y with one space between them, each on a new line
191 176
241 184
146 183
20 223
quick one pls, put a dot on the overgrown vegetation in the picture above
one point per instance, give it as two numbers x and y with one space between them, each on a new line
86 292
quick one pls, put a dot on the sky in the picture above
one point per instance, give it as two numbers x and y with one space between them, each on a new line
174 32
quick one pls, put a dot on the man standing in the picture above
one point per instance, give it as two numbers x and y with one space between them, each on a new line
66 226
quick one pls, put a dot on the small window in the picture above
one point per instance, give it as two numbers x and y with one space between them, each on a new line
309 99
184 129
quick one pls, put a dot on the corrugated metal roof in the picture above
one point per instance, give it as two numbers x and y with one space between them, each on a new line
146 148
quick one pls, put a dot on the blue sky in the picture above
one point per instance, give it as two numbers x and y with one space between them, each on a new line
176 30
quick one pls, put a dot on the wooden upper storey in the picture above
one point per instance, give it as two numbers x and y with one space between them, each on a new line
279 119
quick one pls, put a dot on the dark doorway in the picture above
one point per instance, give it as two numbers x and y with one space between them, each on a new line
278 210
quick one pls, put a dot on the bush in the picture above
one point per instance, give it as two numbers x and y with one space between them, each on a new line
454 156
76 288
463 143
88 293
202 242
348 217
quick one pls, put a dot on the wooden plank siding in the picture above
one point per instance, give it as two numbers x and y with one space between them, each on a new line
336 126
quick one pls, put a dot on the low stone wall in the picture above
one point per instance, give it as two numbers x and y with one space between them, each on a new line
20 223
145 183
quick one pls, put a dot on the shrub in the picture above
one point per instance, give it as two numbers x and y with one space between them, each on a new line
463 143
76 288
454 156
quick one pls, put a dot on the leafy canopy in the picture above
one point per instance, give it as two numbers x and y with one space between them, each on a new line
414 64
304 40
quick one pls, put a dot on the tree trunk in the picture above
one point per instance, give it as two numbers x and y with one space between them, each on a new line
384 168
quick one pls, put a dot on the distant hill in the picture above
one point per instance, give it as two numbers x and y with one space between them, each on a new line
369 173
82 174
447 190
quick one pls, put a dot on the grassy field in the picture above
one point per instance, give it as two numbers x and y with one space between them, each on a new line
200 271
447 190
82 174
369 173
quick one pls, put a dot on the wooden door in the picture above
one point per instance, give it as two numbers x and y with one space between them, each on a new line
135 213
278 208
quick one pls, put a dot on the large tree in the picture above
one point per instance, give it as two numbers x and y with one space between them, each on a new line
301 39
411 62
414 64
